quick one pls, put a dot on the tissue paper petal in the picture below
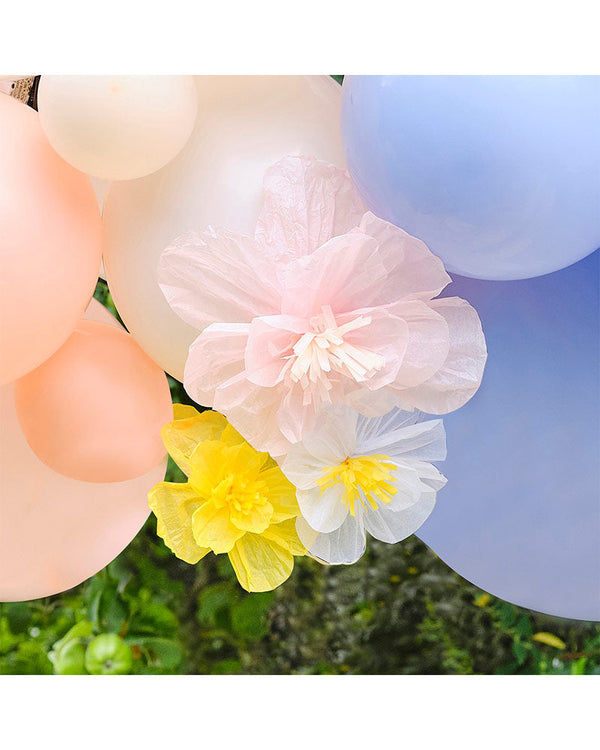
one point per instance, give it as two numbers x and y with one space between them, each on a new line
217 277
427 345
401 435
460 376
252 410
343 546
174 506
261 564
345 273
188 429
215 357
391 526
307 202
423 274
325 511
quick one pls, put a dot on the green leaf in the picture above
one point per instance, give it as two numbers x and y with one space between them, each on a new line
19 615
507 614
213 600
549 640
248 618
523 627
156 578
225 568
113 611
154 619
29 658
120 573
159 651
8 641
520 651
174 473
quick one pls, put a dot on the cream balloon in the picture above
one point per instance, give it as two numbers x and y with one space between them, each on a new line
117 127
245 124
100 188
54 531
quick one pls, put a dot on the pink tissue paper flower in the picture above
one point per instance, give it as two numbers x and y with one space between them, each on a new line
325 304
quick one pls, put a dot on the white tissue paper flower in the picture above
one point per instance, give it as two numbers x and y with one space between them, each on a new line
355 474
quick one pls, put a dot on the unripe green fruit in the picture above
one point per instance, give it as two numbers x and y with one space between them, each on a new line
70 659
108 654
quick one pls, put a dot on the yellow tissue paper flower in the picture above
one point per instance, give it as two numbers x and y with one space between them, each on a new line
236 501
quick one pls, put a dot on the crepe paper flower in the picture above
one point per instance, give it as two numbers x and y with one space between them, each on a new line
355 474
236 501
326 304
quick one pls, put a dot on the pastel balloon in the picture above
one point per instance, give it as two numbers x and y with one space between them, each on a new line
117 127
100 188
54 531
499 175
520 514
246 124
50 243
93 411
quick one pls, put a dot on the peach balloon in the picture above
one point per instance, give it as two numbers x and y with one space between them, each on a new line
54 531
245 124
93 411
50 243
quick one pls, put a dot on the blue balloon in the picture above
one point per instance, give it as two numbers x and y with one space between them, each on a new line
499 175
520 515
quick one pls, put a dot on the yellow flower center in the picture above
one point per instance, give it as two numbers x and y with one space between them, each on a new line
235 492
368 479
240 496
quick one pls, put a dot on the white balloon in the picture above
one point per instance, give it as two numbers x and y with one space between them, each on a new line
245 124
117 127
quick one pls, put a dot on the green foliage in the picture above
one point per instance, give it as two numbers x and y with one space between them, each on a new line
399 610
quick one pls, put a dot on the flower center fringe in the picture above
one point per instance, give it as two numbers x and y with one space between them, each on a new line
368 479
241 497
324 351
